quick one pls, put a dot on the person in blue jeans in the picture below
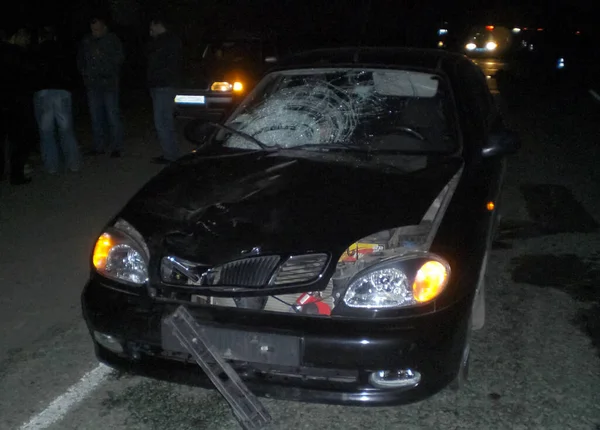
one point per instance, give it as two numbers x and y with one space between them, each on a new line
163 74
52 103
99 60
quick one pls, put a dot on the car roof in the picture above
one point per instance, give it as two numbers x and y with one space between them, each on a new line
431 59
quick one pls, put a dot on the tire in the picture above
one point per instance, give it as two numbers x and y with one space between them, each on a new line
195 132
478 310
462 376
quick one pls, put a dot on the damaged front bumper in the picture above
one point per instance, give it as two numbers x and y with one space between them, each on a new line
299 358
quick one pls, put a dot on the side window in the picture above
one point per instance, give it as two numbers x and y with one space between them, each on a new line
474 105
480 92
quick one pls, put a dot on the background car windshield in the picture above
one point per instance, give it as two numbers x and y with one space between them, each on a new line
233 52
352 106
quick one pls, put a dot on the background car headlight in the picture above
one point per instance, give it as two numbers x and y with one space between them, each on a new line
121 254
490 46
471 46
406 281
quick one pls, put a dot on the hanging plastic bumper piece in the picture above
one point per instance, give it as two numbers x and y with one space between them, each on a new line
248 410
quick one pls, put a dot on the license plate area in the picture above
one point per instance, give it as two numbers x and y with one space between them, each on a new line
240 345
190 99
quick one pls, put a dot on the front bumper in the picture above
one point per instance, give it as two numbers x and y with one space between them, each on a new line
337 357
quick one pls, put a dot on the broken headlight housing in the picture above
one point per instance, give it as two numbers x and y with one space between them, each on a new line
398 282
121 254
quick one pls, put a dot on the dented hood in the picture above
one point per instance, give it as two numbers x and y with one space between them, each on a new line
214 209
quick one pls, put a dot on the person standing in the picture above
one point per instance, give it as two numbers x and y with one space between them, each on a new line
53 103
16 110
99 60
163 74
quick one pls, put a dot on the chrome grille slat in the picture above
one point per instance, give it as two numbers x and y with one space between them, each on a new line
249 272
301 268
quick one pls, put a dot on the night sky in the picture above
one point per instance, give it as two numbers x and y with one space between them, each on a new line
313 21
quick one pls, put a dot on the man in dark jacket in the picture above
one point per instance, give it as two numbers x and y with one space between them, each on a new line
99 60
164 62
16 110
52 102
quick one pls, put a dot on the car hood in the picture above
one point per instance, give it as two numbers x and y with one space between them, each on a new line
215 209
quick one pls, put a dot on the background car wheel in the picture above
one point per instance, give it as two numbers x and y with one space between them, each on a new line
196 132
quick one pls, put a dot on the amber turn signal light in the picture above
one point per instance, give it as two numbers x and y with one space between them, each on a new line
430 281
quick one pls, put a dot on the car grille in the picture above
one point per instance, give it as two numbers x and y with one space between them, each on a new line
248 272
300 269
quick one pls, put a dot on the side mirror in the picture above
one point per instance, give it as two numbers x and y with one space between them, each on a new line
500 143
271 60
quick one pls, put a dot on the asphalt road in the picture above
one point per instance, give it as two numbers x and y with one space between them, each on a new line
536 364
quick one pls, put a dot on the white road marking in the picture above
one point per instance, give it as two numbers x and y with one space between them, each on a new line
595 95
63 403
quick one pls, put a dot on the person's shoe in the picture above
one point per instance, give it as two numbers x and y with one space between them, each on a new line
20 181
94 152
160 160
115 154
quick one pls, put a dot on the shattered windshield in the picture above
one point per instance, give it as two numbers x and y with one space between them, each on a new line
379 109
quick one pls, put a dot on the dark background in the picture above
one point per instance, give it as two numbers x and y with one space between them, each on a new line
301 24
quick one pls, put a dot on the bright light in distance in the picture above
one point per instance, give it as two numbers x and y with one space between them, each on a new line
442 31
490 46
516 30
471 46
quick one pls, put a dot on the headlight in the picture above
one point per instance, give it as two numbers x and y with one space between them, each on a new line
490 46
226 86
121 254
471 46
399 282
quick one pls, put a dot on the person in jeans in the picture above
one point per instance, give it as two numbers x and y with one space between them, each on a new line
163 74
99 60
52 103
16 110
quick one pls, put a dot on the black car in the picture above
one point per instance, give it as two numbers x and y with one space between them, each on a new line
224 74
330 237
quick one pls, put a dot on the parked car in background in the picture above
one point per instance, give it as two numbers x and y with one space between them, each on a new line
331 236
226 71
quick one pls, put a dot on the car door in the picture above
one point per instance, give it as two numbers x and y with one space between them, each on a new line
479 119
490 122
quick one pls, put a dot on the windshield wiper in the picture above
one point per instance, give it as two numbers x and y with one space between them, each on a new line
327 146
242 134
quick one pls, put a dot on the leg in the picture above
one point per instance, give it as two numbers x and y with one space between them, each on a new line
44 115
113 112
64 119
96 105
162 100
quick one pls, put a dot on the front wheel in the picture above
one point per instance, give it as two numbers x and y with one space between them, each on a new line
478 311
463 371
